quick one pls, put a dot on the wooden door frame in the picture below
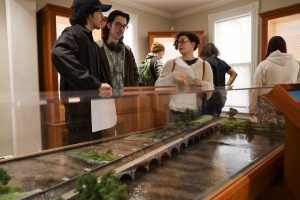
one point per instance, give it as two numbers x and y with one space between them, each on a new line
273 14
46 26
53 128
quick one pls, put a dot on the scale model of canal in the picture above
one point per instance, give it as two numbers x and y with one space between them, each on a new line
170 163
202 167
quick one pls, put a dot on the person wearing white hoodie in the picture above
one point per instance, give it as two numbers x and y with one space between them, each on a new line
279 67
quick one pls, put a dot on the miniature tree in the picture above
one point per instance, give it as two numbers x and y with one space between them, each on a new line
4 177
4 187
185 118
232 112
94 155
88 188
109 188
112 188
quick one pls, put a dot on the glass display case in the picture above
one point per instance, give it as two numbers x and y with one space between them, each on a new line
158 150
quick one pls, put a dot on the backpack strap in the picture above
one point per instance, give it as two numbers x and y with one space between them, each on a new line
173 65
152 62
203 65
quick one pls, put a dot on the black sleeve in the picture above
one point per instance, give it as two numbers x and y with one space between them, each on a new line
226 66
135 70
158 65
67 64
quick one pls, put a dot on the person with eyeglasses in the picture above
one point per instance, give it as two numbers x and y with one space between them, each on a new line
186 71
74 56
118 66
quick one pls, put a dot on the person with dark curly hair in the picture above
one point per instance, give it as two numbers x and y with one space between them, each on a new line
116 59
186 71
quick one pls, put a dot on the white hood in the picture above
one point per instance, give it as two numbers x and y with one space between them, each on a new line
279 58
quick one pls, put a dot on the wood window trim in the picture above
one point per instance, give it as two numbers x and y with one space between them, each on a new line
152 35
273 14
54 131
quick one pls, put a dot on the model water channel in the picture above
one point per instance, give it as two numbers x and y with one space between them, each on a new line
202 166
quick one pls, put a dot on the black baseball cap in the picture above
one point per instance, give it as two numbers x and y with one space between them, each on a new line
78 4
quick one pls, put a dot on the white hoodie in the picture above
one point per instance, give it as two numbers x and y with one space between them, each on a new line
278 68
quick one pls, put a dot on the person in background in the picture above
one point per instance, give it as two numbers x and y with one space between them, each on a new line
279 67
74 55
220 68
186 71
151 67
117 61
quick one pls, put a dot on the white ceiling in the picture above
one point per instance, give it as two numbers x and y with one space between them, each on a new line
173 8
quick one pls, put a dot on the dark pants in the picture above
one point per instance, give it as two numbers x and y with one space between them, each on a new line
78 120
78 137
216 103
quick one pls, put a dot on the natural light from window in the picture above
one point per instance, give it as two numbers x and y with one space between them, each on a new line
233 39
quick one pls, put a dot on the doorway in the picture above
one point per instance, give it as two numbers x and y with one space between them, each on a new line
284 22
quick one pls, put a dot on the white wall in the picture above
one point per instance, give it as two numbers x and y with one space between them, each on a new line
5 109
146 22
23 75
199 21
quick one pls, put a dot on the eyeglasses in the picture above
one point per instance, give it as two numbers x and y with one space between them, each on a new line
183 41
120 25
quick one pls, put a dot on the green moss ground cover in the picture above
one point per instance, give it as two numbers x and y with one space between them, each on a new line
94 155
227 125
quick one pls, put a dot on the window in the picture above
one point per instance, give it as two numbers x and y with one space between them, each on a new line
234 32
289 28
131 34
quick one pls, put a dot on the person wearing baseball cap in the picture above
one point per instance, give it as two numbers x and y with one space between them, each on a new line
75 57
79 4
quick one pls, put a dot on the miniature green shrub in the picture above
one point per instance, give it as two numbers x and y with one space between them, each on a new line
88 187
275 128
6 189
232 112
94 155
109 188
226 128
248 125
189 118
226 125
152 135
4 177
11 196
